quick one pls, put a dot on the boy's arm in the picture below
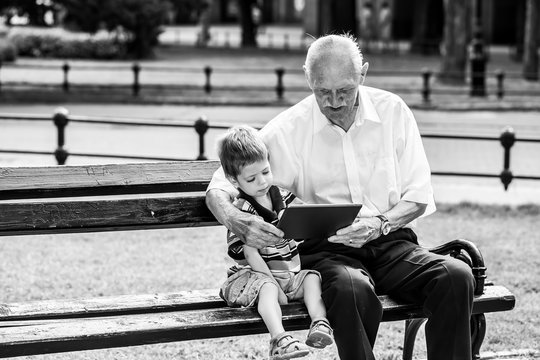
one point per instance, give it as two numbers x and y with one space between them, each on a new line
255 260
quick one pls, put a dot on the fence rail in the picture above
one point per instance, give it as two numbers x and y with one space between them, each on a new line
425 76
61 118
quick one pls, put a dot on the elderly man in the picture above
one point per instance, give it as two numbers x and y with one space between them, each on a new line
348 143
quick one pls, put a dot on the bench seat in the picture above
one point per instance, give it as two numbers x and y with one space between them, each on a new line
49 326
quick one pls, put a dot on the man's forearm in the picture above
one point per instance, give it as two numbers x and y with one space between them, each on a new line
403 213
220 204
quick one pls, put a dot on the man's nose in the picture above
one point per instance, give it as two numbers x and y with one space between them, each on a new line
335 99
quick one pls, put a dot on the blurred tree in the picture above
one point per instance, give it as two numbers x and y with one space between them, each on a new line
457 30
530 55
186 11
33 9
140 21
247 22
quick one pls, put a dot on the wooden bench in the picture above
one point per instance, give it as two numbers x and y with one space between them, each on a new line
72 199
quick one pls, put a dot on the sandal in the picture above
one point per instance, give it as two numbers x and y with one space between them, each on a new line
284 346
320 334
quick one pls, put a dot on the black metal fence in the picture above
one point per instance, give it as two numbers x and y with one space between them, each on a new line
61 119
425 77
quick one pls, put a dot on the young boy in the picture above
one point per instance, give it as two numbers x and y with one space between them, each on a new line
270 276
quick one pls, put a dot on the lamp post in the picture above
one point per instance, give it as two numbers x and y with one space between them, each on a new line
477 55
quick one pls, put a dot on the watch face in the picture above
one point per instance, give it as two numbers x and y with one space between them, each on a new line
386 228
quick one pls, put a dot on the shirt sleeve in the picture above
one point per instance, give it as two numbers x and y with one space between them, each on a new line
413 164
219 181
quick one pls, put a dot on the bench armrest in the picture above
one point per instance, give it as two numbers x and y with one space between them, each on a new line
466 251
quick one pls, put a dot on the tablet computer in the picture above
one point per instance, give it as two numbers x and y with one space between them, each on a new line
305 221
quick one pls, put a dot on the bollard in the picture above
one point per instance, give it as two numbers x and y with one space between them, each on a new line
65 85
500 83
60 119
201 126
279 87
207 73
426 91
507 138
136 85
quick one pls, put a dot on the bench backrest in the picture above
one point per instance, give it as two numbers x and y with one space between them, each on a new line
40 200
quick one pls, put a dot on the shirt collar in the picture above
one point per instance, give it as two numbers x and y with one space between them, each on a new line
365 111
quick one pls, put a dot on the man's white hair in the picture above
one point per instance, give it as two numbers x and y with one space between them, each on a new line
327 44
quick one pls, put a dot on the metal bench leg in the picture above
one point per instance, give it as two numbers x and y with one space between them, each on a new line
478 332
411 329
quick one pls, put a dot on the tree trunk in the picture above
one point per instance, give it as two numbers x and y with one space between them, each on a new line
419 26
247 24
530 56
456 37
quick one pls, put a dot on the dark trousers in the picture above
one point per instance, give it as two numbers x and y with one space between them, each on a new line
397 266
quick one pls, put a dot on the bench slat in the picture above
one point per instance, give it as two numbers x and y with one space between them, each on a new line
495 298
104 215
111 305
95 180
28 338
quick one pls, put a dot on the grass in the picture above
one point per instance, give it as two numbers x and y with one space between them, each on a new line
82 265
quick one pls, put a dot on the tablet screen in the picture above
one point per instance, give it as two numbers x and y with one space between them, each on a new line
307 221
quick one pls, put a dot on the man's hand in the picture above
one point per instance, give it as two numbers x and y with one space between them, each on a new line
356 235
254 231
251 229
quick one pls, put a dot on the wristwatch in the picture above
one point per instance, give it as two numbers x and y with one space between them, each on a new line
385 224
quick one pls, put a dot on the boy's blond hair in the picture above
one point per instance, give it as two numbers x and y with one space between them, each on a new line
238 147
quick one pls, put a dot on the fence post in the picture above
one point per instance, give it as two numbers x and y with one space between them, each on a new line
136 85
500 83
65 69
507 138
426 91
60 119
201 126
207 85
279 87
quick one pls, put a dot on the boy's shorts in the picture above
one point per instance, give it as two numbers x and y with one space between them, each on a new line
242 287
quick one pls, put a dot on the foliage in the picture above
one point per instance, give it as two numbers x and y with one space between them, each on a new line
8 51
62 44
139 21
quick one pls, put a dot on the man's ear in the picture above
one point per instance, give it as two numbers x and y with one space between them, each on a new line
306 75
363 72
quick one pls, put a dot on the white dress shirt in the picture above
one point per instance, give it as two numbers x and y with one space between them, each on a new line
379 161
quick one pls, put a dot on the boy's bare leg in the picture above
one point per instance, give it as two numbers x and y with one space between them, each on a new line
269 309
312 297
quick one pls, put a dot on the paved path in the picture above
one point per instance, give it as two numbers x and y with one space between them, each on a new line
444 155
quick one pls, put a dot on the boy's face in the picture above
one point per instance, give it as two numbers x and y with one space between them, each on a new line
255 179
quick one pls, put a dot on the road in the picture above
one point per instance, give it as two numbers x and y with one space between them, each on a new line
444 155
